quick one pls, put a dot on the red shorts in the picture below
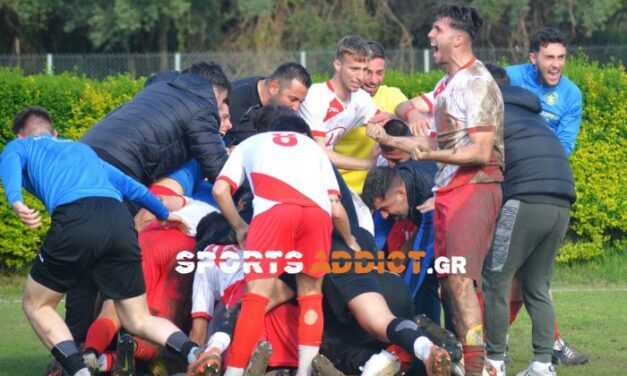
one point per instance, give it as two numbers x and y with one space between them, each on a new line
285 228
465 221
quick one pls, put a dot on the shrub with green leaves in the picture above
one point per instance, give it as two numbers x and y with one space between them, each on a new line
599 217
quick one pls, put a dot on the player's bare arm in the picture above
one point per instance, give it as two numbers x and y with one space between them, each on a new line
406 144
222 195
341 223
476 154
343 161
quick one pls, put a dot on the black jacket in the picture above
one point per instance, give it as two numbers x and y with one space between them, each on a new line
172 120
536 167
419 179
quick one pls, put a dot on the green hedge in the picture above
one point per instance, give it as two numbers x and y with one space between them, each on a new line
599 216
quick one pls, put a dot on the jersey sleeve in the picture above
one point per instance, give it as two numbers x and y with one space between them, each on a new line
12 162
134 191
367 109
233 171
569 124
203 292
480 100
313 110
189 176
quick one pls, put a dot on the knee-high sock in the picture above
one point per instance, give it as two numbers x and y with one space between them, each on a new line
310 326
248 330
100 334
145 350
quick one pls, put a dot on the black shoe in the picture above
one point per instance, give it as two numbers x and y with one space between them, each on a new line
567 355
441 337
125 356
55 368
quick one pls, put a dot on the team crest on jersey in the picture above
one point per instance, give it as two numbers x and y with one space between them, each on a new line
551 98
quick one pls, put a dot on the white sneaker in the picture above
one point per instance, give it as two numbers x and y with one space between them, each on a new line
498 367
383 363
539 369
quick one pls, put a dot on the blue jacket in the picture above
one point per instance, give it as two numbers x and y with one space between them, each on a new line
61 171
561 104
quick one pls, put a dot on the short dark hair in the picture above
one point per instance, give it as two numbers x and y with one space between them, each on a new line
353 45
21 118
291 123
263 117
397 128
498 73
462 17
377 183
545 36
287 72
375 50
212 72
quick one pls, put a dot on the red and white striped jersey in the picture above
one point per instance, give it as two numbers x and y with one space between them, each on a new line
331 118
282 167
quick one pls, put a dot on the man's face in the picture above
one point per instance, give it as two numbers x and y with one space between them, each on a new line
394 204
549 61
351 72
374 75
290 95
223 109
442 39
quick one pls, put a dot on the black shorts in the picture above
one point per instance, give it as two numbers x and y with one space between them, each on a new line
345 342
339 289
91 237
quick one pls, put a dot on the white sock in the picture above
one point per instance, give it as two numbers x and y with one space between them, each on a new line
83 372
540 366
422 348
220 341
498 364
234 371
305 357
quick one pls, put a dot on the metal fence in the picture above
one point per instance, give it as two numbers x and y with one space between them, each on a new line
241 64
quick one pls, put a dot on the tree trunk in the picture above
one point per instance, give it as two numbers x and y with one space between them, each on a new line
164 28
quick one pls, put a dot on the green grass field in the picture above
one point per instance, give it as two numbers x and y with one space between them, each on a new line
590 300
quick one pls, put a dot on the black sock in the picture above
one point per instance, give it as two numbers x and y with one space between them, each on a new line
180 344
404 333
68 355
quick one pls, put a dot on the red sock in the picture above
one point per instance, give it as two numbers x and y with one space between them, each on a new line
248 330
402 355
100 334
310 320
145 350
474 358
514 308
556 330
